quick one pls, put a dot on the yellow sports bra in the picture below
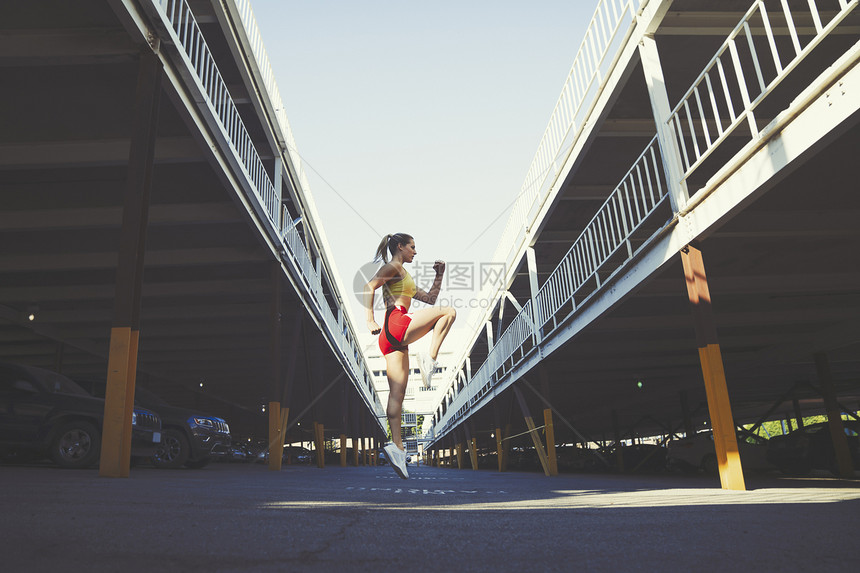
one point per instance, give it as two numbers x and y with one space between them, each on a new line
404 287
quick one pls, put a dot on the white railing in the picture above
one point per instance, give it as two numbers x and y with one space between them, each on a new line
746 68
192 47
698 127
591 66
255 40
604 246
189 40
605 243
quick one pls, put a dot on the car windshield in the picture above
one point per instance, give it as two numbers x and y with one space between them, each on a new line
57 383
148 397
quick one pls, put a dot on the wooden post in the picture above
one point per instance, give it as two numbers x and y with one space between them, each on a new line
550 442
500 455
276 441
319 444
343 450
547 420
619 452
710 356
115 456
544 462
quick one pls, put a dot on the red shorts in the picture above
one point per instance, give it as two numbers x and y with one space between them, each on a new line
394 329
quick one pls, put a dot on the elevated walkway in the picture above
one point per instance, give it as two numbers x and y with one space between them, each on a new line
155 215
722 128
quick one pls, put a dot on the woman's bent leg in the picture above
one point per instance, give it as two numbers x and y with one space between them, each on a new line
397 364
437 319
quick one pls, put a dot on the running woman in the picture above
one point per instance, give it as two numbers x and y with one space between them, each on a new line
401 328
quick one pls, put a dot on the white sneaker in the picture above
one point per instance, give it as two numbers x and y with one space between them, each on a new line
397 459
427 366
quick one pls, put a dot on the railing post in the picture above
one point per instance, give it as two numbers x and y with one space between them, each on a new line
678 194
533 287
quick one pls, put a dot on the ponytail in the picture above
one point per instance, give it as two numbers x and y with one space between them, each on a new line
390 243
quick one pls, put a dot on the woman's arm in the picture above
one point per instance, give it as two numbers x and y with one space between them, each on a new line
430 297
382 276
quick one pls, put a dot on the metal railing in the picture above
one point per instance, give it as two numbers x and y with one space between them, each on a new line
191 45
255 40
581 88
607 235
190 41
604 247
738 78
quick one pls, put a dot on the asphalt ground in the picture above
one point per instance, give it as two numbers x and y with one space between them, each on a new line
243 517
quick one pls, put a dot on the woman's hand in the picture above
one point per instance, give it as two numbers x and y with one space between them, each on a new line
439 267
373 327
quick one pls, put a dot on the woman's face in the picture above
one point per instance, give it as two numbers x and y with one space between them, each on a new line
408 251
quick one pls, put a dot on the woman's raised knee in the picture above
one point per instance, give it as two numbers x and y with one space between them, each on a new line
450 312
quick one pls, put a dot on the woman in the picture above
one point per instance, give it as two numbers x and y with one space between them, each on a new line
401 328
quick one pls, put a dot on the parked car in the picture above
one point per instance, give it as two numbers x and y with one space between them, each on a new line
189 437
698 452
811 447
45 414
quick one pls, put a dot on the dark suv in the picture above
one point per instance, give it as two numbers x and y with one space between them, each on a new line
189 438
45 413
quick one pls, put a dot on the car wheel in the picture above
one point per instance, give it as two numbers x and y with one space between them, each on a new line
173 451
76 444
197 464
710 465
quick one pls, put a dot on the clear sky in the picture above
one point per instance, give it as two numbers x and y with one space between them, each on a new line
420 118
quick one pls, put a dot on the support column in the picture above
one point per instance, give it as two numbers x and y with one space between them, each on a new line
319 444
619 452
532 431
276 443
276 433
497 430
719 406
115 454
552 461
834 417
459 455
653 70
531 261
343 450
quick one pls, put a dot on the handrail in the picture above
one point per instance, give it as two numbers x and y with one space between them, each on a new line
581 87
710 111
189 41
629 205
622 214
633 202
255 40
